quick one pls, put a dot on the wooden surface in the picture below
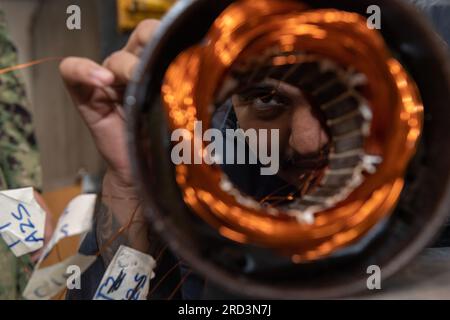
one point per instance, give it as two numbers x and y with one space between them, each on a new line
57 202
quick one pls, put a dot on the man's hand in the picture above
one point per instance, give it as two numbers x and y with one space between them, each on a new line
98 93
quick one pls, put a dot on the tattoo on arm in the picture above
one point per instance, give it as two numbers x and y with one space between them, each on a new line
106 227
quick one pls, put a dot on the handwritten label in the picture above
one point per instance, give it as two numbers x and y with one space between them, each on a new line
45 283
127 277
22 221
76 219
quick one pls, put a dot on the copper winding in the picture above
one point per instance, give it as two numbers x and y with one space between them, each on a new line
245 29
248 28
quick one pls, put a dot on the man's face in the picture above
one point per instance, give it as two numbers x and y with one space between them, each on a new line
273 104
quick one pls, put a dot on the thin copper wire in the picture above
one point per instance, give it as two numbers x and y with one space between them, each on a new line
108 243
161 253
183 280
116 103
29 64
306 185
163 278
119 232
270 196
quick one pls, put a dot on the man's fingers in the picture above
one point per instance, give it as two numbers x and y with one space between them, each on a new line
82 76
141 36
82 71
122 64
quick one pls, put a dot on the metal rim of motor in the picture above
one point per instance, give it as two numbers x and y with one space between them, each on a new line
411 38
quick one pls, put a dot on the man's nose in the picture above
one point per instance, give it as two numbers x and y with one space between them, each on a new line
307 134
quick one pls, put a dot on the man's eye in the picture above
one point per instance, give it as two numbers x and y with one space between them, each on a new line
270 101
265 102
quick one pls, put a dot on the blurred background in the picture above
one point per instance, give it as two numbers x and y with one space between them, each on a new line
38 29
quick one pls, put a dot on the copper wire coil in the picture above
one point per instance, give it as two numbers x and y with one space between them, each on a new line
257 271
247 28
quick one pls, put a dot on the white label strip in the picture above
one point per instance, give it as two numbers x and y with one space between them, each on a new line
127 277
22 221
47 282
76 219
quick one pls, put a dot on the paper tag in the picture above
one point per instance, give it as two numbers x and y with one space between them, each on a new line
76 219
45 283
22 221
127 277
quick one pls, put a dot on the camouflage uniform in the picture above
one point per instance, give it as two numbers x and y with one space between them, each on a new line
19 159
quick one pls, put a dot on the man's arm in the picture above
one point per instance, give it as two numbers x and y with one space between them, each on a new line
97 90
119 220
